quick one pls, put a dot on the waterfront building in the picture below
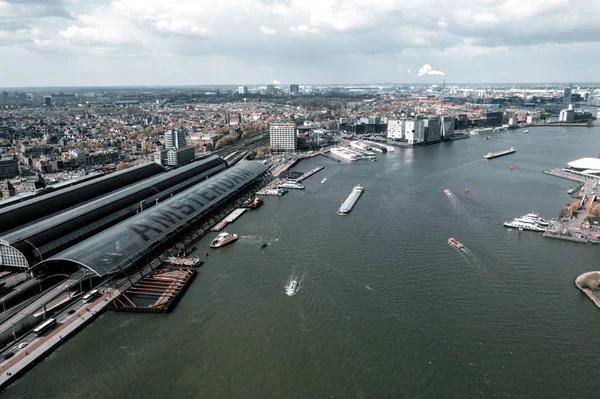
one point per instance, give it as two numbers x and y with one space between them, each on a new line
283 137
494 118
567 96
175 138
414 131
448 123
567 115
432 129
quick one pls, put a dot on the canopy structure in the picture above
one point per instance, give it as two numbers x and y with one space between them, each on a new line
27 212
140 237
50 236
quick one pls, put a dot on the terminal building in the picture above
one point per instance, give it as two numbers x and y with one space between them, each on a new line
25 247
25 213
587 166
146 238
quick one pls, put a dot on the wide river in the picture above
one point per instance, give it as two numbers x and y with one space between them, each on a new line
386 308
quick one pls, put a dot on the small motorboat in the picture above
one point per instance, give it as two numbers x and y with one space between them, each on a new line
374 160
488 137
292 288
324 180
448 191
264 245
455 243
526 131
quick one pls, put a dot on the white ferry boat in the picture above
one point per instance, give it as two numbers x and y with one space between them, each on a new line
525 226
292 288
223 239
292 185
532 218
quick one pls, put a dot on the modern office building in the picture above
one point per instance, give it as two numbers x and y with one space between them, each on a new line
243 90
294 89
175 138
180 156
567 96
283 137
432 129
448 123
414 131
48 101
395 129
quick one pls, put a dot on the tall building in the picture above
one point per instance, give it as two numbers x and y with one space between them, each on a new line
180 156
448 123
432 129
283 137
294 89
48 101
243 90
414 131
395 129
567 115
175 138
567 96
9 167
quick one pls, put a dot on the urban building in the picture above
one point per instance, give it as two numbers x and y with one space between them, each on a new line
567 96
494 118
9 167
175 138
7 190
48 101
180 156
294 89
243 90
432 129
447 125
283 137
395 129
414 131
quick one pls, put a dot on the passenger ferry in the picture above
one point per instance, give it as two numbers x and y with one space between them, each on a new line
292 288
291 185
532 218
525 226
455 243
223 239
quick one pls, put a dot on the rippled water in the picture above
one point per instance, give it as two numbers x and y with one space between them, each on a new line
386 308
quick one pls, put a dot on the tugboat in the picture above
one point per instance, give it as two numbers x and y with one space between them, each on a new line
223 239
455 243
292 288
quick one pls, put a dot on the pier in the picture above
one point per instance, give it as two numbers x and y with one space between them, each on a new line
566 174
158 293
309 173
232 217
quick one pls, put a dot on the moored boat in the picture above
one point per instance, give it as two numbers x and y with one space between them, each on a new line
223 239
525 226
291 185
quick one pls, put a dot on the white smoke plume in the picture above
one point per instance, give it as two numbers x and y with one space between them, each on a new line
276 82
427 70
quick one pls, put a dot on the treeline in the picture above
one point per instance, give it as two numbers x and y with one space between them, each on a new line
244 131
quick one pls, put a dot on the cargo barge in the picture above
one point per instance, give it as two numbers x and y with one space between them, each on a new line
350 201
493 155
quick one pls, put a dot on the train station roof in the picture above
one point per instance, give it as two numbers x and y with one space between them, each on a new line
120 246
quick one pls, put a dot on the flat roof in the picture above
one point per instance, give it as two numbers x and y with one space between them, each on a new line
585 163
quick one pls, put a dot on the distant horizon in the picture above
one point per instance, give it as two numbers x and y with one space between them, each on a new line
235 85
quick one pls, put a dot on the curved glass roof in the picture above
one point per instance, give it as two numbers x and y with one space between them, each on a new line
49 236
29 211
118 247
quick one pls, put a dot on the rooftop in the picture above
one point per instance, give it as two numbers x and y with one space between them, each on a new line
585 163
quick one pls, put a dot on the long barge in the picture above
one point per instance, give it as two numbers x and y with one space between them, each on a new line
351 200
493 155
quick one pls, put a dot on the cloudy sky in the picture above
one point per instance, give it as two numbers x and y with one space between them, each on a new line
188 42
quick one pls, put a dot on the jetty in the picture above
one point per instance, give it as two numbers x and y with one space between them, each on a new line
229 219
589 284
309 173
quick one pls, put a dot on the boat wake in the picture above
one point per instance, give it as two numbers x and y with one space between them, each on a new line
455 201
448 171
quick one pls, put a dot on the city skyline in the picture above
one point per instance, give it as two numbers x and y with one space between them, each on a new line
150 43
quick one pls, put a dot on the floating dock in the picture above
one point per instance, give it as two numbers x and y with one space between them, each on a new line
219 226
158 293
493 155
235 214
189 262
309 173
350 201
